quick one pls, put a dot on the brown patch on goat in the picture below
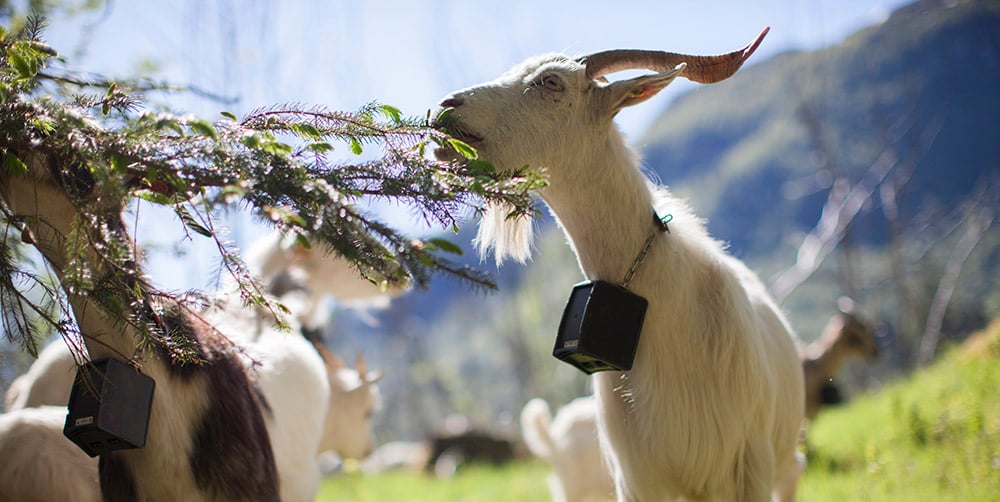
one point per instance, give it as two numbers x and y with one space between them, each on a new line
232 457
77 179
117 481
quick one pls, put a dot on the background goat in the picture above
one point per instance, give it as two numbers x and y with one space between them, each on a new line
846 336
39 463
310 413
207 436
354 398
713 404
570 444
282 265
47 381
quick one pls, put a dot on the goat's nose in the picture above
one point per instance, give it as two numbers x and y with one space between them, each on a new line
452 102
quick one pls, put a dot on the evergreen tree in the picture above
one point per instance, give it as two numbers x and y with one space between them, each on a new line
277 162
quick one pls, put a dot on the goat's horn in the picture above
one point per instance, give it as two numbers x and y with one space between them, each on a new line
701 69
333 362
360 365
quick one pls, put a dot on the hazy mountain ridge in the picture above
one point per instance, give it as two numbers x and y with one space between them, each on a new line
925 79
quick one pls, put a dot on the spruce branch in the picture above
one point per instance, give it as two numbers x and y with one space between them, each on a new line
299 168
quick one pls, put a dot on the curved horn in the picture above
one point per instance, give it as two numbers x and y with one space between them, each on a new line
360 365
701 69
333 363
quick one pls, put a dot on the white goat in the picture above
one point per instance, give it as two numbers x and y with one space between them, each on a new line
845 336
292 378
354 397
353 394
713 404
278 259
39 464
47 382
317 404
208 436
570 444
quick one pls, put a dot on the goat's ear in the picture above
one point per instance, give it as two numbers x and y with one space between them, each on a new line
374 376
636 90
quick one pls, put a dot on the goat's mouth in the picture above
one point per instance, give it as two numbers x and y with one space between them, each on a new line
455 130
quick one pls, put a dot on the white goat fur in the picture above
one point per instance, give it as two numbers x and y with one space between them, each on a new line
351 396
163 469
291 376
322 272
712 407
47 382
316 406
39 463
570 444
354 397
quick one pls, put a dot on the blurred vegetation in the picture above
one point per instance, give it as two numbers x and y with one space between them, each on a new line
523 481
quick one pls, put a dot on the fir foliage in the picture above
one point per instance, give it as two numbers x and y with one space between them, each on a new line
279 163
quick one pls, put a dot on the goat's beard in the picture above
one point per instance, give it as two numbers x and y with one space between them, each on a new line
509 237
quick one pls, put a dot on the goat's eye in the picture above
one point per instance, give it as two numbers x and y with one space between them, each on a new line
550 82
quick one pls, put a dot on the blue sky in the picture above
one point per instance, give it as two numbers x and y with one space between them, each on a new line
406 53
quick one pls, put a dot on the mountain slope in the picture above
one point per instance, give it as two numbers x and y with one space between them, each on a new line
759 151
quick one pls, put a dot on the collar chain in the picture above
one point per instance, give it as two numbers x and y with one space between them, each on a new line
661 226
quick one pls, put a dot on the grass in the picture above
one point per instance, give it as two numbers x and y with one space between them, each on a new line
932 436
520 481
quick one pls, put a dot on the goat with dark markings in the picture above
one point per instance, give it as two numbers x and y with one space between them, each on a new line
207 438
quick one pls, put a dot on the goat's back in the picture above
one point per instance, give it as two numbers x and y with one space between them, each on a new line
39 463
47 382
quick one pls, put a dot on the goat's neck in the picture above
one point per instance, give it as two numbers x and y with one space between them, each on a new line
49 214
831 357
605 207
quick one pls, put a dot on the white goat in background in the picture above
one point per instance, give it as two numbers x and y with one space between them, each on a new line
39 463
47 381
317 403
846 336
279 260
570 444
354 398
209 425
713 404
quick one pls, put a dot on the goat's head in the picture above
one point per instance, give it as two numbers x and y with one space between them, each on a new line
551 107
555 112
354 398
857 336
847 333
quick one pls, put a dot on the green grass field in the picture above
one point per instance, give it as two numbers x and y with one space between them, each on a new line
521 481
933 436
